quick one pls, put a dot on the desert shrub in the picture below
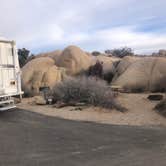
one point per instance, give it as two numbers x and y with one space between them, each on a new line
161 107
96 53
87 90
122 52
96 70
23 56
108 52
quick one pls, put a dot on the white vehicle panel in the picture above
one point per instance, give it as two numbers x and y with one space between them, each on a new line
9 69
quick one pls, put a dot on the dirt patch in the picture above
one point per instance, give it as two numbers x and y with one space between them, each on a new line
140 112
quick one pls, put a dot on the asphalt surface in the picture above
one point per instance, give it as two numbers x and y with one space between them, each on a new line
30 139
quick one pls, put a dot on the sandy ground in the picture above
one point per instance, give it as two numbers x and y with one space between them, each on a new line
140 112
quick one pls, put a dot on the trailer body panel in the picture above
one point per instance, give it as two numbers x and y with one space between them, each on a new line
10 74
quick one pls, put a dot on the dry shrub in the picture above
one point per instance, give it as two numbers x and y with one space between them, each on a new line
161 107
86 90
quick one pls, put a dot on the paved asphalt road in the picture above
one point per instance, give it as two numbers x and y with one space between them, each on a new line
30 139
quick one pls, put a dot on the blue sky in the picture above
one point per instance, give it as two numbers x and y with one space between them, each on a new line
45 25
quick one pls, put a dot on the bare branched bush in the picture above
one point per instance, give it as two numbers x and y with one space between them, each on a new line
86 90
121 52
161 107
96 53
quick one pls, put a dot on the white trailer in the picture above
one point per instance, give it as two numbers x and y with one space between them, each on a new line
10 74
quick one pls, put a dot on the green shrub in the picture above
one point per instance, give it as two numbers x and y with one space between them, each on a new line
122 52
23 56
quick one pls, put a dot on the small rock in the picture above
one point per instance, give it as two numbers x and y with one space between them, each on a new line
39 100
155 97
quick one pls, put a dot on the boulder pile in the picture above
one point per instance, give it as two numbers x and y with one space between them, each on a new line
141 74
40 72
132 73
74 60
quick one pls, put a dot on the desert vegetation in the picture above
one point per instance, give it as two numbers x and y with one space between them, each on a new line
161 107
91 90
74 76
120 52
96 53
23 55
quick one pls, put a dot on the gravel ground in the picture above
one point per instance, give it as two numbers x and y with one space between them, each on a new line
31 139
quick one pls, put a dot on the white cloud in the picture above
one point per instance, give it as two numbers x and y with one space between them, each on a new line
95 24
125 36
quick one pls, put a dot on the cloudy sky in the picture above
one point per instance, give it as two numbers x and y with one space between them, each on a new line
45 25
